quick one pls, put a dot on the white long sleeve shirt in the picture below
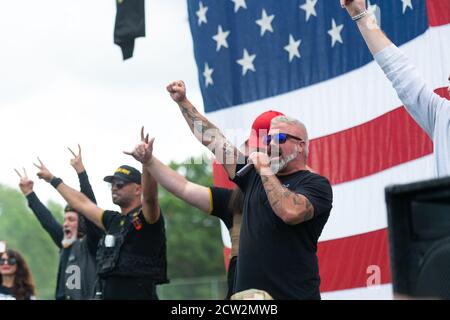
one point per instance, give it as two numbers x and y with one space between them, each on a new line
428 109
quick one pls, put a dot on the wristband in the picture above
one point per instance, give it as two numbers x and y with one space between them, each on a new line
55 182
360 16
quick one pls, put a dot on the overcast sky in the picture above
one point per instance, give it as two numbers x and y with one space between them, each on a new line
63 82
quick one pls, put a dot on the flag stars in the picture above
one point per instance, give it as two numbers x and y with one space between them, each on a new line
247 62
221 38
207 73
292 48
201 14
406 4
239 4
309 7
265 22
335 33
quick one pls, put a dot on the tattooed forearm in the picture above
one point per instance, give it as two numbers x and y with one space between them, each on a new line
290 207
196 122
275 193
211 137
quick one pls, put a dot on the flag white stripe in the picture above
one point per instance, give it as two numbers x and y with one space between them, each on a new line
380 292
359 206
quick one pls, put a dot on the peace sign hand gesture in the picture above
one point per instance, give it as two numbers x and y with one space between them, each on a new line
25 185
77 161
43 173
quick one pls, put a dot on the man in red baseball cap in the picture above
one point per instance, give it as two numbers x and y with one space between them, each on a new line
285 205
260 128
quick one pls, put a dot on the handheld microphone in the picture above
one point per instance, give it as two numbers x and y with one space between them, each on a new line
244 170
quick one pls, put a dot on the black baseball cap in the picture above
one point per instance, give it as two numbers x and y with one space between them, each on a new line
125 173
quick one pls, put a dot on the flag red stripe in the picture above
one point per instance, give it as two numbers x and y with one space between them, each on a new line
220 177
363 150
348 262
226 257
371 147
438 12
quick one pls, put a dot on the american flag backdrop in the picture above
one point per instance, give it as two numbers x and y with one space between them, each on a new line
307 59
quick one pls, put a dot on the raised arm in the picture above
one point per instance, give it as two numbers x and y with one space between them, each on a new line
150 204
205 131
44 216
93 233
194 194
375 38
74 198
85 185
419 99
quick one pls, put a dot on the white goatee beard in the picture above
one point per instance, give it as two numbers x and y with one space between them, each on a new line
67 242
281 163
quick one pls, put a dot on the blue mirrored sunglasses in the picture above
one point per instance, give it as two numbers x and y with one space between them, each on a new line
279 138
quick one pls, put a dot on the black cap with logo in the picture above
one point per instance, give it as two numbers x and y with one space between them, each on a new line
125 173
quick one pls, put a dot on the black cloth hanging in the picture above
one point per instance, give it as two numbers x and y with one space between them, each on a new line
130 24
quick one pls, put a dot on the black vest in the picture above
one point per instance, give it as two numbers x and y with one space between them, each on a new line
76 261
115 259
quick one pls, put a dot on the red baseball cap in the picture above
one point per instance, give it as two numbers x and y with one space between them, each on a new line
261 127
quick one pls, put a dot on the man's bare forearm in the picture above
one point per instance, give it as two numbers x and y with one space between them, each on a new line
210 136
292 208
197 122
81 204
150 197
169 179
178 185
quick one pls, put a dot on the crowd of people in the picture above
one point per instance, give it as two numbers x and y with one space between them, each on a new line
275 214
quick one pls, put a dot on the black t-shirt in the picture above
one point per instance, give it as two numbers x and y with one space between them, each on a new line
7 294
220 205
274 256
144 240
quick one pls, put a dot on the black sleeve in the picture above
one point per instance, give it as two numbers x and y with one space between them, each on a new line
319 193
220 205
85 186
46 219
108 218
242 182
93 233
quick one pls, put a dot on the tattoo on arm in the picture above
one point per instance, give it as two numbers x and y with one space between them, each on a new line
195 121
281 198
209 135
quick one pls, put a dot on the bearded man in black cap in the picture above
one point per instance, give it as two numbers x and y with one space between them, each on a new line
131 257
76 238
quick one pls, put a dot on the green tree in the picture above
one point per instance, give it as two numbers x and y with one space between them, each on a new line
195 247
22 232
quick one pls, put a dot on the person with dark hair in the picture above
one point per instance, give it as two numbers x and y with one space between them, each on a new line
16 282
77 238
131 257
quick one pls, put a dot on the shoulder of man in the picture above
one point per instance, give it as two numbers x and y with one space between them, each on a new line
138 216
110 217
310 179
